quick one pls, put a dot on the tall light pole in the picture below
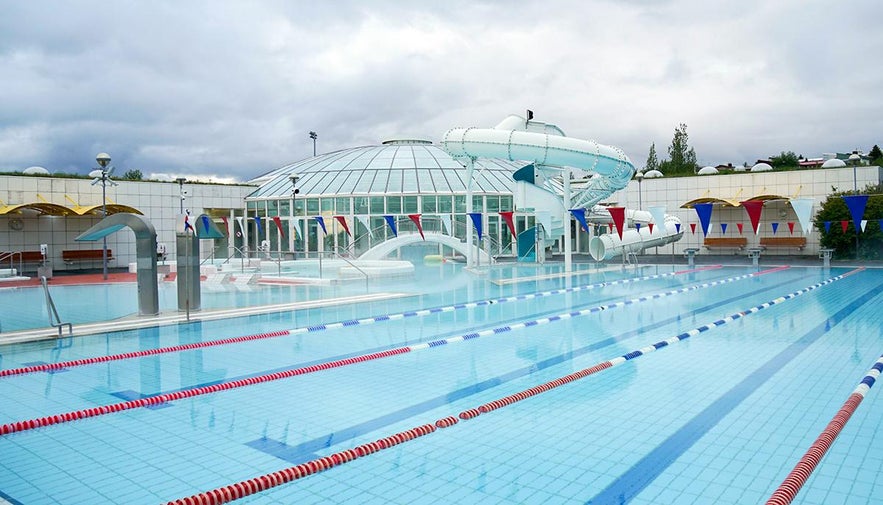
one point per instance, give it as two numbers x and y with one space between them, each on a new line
314 136
294 191
639 177
103 160
181 181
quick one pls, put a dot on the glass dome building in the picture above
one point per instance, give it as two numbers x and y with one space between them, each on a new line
356 193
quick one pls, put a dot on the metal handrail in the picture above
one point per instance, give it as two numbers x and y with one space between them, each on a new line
11 257
54 319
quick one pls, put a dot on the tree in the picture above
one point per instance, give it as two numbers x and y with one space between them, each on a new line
133 175
785 159
834 210
652 162
682 157
876 155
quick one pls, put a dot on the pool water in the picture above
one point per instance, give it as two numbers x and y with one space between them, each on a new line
719 417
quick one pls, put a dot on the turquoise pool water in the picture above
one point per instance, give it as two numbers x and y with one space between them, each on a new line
720 417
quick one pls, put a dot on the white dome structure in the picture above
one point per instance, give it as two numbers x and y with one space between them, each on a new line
834 163
35 171
707 171
762 167
652 174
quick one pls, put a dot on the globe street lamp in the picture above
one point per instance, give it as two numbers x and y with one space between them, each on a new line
639 177
103 160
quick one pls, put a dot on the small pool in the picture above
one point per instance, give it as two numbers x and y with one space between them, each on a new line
496 388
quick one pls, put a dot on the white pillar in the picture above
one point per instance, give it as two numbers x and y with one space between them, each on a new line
470 255
568 247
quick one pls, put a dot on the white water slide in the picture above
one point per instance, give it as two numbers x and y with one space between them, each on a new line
545 189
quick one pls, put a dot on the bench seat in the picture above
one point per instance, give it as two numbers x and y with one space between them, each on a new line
85 255
795 242
725 242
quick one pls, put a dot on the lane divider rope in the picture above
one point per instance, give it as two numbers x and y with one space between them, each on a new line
30 424
46 367
258 484
795 480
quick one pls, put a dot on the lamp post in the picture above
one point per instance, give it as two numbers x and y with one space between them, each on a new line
639 177
103 160
181 181
314 136
294 191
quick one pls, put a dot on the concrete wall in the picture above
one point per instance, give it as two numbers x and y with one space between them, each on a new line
159 201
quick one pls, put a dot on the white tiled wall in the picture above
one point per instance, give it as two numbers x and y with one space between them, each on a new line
159 201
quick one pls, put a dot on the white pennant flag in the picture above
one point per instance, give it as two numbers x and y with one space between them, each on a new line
446 222
295 225
803 208
364 220
240 220
864 223
658 214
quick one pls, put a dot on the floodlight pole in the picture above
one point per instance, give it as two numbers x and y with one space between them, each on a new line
181 181
314 136
103 159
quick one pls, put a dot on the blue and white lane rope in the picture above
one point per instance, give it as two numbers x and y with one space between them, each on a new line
481 303
507 400
45 367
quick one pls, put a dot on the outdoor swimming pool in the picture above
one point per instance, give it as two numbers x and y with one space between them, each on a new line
719 415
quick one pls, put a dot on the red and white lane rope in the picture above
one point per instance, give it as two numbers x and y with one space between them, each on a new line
246 488
31 424
795 480
46 367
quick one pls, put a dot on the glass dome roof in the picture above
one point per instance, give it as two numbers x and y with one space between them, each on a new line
396 167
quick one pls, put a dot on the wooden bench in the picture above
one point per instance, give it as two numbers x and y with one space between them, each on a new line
795 242
70 257
26 256
725 242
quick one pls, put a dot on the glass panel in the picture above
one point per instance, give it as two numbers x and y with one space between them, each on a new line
477 201
273 207
459 203
312 206
377 205
493 203
430 204
342 205
395 181
506 203
284 206
445 204
394 204
361 205
409 205
327 204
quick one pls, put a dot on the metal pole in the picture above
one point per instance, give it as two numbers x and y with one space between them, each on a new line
104 216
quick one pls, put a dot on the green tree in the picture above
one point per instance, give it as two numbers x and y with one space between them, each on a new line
133 175
876 155
834 210
682 157
786 159
652 162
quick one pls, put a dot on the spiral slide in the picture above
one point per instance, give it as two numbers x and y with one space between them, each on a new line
550 152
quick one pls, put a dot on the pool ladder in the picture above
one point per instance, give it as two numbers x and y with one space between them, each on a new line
54 319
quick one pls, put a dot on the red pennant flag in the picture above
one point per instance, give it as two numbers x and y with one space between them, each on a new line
844 225
693 228
507 216
279 225
791 227
416 219
342 221
609 227
618 215
226 225
739 225
754 208
650 225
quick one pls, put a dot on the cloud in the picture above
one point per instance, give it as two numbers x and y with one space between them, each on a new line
233 89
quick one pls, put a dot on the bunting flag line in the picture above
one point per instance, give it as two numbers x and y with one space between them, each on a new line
226 225
803 208
754 208
391 221
580 215
364 220
342 221
241 221
693 228
723 228
677 227
843 225
618 215
791 227
257 223
775 227
739 225
703 210
856 204
507 216
278 222
321 221
864 224
638 227
658 213
416 219
476 221
650 227
827 226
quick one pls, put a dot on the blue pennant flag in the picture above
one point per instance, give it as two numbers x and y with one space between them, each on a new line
703 210
677 227
638 227
580 215
204 223
476 220
257 222
724 228
856 204
321 221
391 221
827 226
775 228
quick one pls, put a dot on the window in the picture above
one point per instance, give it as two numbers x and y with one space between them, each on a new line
360 205
312 206
342 205
409 204
430 204
377 205
394 204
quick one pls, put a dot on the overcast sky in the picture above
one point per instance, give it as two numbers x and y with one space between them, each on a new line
231 89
